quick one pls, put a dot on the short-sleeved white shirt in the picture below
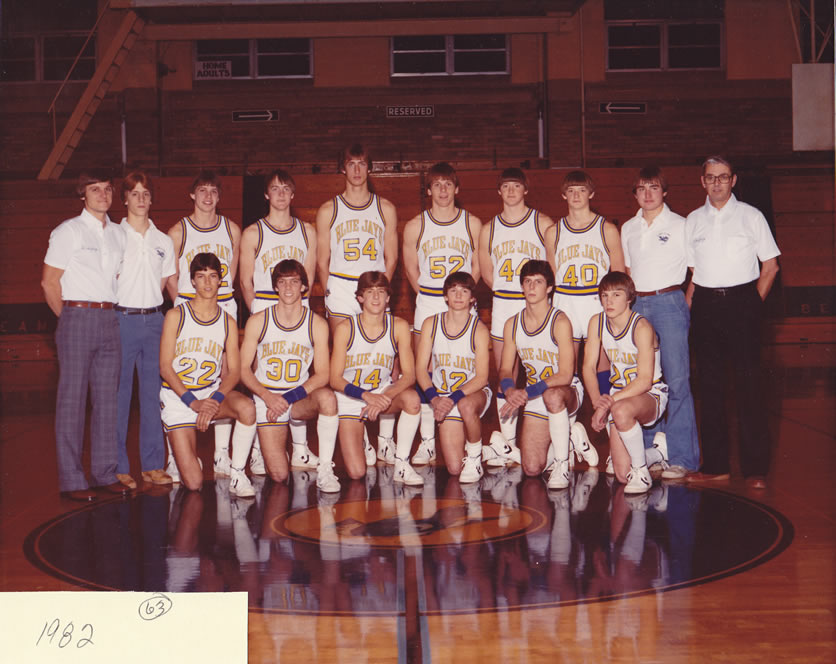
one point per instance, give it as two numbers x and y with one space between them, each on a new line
725 245
148 260
655 252
90 255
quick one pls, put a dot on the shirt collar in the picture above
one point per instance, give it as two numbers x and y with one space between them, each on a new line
130 229
87 217
659 217
728 207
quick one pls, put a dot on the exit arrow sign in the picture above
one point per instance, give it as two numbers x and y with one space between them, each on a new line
612 107
255 116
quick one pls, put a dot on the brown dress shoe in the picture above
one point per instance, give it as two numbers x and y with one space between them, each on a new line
708 477
756 482
81 495
116 488
156 476
127 480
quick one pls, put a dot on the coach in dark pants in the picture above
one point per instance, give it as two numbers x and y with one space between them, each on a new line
734 259
79 282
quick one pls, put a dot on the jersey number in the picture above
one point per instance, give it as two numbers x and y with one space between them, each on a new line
189 366
353 252
507 269
372 380
452 381
438 269
284 371
588 275
619 379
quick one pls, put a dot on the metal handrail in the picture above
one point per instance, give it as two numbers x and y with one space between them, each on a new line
51 108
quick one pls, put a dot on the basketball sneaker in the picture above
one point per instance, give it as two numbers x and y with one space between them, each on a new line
368 450
386 450
256 459
405 474
471 469
222 463
638 480
426 452
171 470
583 449
609 469
500 452
302 457
660 448
240 485
326 481
559 476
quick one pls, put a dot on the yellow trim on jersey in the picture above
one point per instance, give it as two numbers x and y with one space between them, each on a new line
578 231
444 223
509 224
272 424
577 290
360 208
347 277
434 292
508 295
260 236
630 323
220 313
539 329
217 225
460 334
273 311
386 327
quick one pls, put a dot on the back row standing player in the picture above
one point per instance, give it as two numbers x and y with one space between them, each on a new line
437 243
278 236
357 232
206 231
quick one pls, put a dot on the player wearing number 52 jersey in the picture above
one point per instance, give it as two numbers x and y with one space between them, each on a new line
356 233
582 248
196 336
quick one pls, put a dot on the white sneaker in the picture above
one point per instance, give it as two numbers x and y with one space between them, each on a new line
675 473
559 477
426 452
302 457
609 470
222 464
500 452
660 442
471 470
405 474
638 480
368 450
257 460
326 481
584 450
172 470
240 485
386 450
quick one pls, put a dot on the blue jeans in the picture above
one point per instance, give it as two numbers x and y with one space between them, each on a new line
669 315
140 335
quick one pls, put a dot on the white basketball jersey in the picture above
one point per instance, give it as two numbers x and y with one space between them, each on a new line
453 357
511 246
216 240
537 349
581 257
199 348
369 362
356 238
284 354
444 247
275 245
622 352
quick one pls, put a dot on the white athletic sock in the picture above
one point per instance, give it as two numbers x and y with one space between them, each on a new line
298 431
653 455
223 430
473 449
242 441
407 426
559 434
326 430
427 422
507 427
386 426
634 442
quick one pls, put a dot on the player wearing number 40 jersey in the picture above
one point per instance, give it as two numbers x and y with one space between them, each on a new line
195 337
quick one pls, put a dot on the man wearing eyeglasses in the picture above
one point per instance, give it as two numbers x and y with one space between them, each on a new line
734 259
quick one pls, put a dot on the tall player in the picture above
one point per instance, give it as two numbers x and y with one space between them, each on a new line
582 248
541 336
196 335
511 238
455 343
365 348
638 396
357 232
437 243
207 231
276 237
286 341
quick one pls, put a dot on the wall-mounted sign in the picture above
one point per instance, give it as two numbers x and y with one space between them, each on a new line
255 116
613 107
206 69
415 111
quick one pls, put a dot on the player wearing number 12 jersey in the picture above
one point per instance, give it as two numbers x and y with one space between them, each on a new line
356 233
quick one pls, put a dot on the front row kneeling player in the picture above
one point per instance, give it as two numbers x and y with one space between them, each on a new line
638 396
457 342
286 339
195 336
365 347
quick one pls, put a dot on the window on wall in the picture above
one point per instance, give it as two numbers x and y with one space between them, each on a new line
449 55
664 34
253 58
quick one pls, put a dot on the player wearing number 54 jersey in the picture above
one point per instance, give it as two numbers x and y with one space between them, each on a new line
195 337
356 233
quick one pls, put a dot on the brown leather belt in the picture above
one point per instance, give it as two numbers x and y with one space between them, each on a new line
83 304
660 291
134 310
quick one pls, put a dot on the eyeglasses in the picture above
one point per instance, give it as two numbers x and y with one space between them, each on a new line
725 178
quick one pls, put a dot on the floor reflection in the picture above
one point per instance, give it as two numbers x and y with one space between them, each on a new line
380 547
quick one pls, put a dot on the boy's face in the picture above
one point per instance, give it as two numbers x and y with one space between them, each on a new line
206 282
374 300
356 170
279 195
535 288
206 197
577 196
614 302
458 298
649 195
138 200
289 288
98 197
442 192
512 192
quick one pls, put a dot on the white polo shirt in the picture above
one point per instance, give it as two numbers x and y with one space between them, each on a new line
725 245
148 260
90 255
655 252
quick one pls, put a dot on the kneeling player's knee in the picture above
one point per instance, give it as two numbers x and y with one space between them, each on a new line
622 417
277 475
193 482
531 467
553 399
454 466
328 402
246 412
356 472
411 402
